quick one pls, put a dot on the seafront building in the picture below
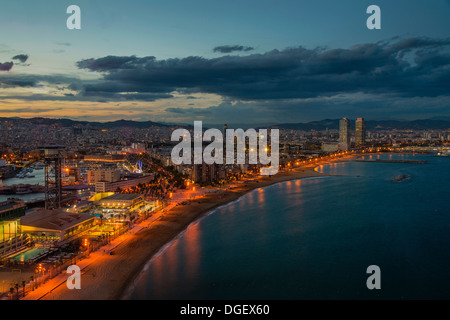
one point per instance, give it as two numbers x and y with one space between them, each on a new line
344 134
206 172
55 226
123 201
360 132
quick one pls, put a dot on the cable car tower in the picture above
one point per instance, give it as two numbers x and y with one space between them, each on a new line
53 155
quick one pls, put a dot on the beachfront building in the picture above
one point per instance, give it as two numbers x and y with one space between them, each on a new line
360 132
11 240
54 227
125 201
344 134
206 173
109 205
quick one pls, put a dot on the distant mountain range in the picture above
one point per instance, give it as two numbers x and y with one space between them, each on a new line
74 123
370 125
314 125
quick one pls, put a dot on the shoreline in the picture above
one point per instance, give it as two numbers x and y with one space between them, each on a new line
111 277
126 292
300 173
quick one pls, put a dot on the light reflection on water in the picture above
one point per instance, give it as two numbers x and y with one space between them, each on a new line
315 238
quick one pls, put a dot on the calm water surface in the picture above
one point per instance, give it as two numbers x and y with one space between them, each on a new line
315 238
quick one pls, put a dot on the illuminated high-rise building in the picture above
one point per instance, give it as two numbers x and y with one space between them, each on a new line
344 134
360 131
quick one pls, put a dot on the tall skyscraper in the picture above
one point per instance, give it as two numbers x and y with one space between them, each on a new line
360 131
344 134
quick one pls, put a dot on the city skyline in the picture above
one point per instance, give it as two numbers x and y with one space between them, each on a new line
214 150
175 62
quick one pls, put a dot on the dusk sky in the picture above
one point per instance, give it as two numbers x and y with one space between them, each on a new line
253 62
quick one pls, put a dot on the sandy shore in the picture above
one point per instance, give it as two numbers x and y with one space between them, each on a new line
108 276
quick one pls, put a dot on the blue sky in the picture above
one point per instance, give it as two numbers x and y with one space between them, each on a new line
54 81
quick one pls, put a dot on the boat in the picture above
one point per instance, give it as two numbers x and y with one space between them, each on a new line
443 154
6 190
23 190
400 178
38 166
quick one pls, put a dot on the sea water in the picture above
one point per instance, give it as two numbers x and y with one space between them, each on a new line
315 238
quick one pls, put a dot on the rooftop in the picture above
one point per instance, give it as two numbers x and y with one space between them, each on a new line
77 187
53 219
10 203
122 196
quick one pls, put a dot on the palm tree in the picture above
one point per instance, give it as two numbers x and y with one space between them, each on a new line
17 288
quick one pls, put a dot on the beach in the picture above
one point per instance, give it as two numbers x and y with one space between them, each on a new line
107 277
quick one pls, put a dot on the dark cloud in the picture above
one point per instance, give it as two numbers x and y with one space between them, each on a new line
6 66
229 49
33 80
396 77
113 62
114 96
21 57
269 112
408 67
85 90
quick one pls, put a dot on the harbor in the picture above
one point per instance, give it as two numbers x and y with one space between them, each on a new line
27 185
